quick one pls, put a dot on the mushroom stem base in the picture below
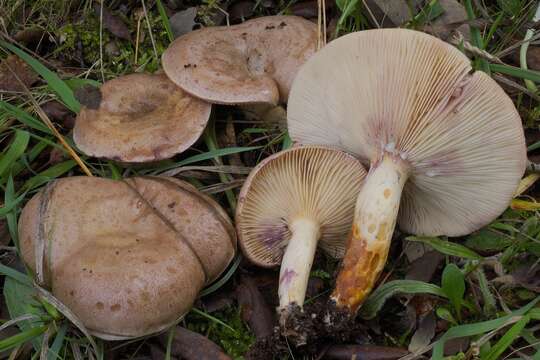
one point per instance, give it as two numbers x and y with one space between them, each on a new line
297 261
373 225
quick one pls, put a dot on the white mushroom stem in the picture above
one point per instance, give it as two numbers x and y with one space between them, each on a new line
297 261
375 216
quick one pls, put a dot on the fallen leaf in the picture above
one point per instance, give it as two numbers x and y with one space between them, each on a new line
193 346
390 13
217 301
241 10
113 23
528 276
29 36
12 68
183 21
453 18
455 346
59 113
424 268
533 57
364 352
254 309
424 333
306 9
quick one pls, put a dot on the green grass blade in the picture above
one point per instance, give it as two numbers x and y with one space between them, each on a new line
63 91
21 338
15 275
165 20
24 117
287 142
15 150
212 318
8 207
219 283
516 72
428 13
453 285
207 156
11 216
47 175
115 172
476 37
534 146
447 247
478 328
507 339
377 299
54 350
170 337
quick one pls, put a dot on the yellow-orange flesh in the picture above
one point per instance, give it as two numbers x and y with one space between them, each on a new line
375 217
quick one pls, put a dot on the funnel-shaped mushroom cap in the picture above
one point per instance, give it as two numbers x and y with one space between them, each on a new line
411 95
254 62
311 182
141 118
127 257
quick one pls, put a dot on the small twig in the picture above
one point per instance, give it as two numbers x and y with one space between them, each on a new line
523 50
150 30
371 14
515 85
101 41
138 36
514 46
458 39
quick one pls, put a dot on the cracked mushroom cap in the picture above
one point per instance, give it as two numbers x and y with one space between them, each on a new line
312 181
415 96
128 258
254 62
141 118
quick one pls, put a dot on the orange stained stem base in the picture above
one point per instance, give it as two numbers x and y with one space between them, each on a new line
361 269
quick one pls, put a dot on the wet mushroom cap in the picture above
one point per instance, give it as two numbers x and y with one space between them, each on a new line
127 257
314 182
254 62
413 96
141 118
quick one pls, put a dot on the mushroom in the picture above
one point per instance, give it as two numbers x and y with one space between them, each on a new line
253 62
129 257
141 117
445 144
292 202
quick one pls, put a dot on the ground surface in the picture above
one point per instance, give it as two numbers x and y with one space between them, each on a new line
480 286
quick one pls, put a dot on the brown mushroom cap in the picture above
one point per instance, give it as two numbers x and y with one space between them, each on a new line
254 62
127 257
314 182
141 117
412 95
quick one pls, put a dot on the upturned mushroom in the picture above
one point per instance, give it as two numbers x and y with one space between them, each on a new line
129 257
291 203
250 63
141 118
445 144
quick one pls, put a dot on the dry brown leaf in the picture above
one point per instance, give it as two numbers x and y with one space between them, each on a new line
113 23
364 352
193 346
12 68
